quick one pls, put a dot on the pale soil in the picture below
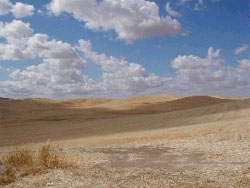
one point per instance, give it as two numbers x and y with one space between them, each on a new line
204 146
178 163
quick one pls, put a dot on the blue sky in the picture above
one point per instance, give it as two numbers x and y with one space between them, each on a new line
168 54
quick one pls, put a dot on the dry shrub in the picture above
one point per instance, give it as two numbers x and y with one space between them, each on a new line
20 157
52 158
8 176
24 162
244 180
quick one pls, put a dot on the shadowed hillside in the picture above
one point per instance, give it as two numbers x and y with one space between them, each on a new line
16 111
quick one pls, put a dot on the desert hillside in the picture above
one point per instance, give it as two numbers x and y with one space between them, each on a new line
145 141
32 120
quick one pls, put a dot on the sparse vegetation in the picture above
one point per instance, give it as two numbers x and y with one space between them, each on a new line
52 158
24 162
20 157
244 180
139 142
8 176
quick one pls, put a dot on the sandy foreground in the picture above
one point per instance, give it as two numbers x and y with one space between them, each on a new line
153 142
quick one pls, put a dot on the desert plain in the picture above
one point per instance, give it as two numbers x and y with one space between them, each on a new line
160 141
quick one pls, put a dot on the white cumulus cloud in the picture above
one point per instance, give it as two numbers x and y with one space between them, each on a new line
59 74
16 34
121 77
5 7
130 19
210 75
19 10
59 70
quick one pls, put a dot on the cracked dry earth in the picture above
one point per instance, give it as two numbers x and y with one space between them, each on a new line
176 164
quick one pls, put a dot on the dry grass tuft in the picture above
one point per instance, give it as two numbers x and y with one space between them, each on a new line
23 162
20 157
8 176
52 158
245 179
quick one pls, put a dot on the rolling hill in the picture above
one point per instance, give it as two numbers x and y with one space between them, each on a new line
35 120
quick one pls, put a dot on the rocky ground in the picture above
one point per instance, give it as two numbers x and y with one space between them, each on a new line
176 163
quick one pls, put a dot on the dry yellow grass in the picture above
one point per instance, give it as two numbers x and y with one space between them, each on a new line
8 176
244 181
52 158
20 157
23 162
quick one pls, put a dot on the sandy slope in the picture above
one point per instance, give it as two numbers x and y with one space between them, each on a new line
33 120
225 121
158 141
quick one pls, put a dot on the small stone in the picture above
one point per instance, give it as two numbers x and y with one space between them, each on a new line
50 184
